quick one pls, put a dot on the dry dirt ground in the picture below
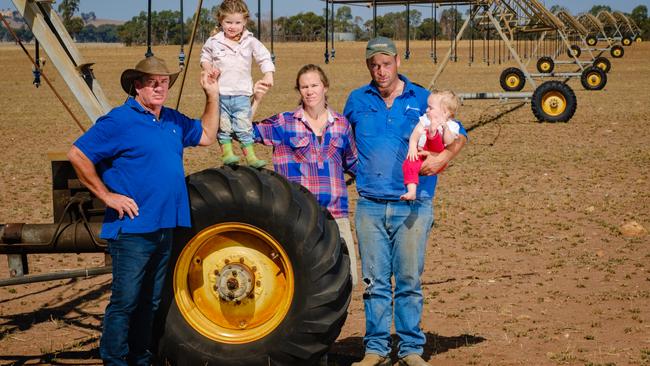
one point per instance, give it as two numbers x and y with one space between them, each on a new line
526 264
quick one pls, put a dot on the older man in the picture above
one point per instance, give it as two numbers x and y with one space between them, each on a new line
132 159
392 234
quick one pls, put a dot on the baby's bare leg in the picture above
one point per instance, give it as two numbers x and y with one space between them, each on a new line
411 192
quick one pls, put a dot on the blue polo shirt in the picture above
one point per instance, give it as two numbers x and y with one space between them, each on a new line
382 137
142 158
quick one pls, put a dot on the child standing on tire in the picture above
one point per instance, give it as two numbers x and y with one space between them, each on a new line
231 50
435 130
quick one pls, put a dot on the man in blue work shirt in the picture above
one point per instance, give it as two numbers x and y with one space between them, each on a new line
392 234
132 159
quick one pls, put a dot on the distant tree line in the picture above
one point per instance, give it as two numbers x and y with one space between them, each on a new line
304 26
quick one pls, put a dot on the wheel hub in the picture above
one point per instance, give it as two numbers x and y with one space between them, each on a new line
513 80
234 282
593 79
553 103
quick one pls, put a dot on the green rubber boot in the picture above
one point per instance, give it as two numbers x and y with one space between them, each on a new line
251 159
228 157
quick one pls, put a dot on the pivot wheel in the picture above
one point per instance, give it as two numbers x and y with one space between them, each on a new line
573 50
553 101
593 78
512 79
545 65
626 41
602 63
617 51
261 278
591 40
638 39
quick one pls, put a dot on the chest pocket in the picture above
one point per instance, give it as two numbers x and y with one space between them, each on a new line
369 123
300 148
218 54
405 126
335 149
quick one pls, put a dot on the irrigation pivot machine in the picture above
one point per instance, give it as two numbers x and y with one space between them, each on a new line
261 278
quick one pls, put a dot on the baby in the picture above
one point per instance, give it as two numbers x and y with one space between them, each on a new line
231 50
435 130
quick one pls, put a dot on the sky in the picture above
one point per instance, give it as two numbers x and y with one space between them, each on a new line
126 9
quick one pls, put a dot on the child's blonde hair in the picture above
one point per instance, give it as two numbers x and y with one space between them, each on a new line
448 99
229 7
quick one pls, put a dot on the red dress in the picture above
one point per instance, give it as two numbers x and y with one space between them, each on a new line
411 169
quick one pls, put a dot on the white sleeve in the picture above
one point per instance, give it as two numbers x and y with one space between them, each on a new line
453 126
425 121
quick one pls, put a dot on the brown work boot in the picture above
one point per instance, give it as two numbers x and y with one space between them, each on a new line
412 360
373 359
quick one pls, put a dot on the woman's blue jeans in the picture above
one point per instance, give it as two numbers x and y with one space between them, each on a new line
392 239
139 269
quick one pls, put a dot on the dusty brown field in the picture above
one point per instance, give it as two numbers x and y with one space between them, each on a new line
526 264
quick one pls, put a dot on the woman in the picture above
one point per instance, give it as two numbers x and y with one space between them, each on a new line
313 146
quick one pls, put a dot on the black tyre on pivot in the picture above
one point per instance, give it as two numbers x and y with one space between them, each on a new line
626 41
593 78
617 51
553 101
591 40
573 50
261 278
512 79
545 65
603 63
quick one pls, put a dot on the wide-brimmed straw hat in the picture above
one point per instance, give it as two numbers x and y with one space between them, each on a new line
148 66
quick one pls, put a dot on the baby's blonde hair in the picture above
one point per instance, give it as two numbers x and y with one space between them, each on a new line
229 7
448 99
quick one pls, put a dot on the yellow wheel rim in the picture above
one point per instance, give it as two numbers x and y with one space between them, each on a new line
592 41
617 52
574 51
512 80
233 283
545 66
626 42
602 66
638 40
593 79
553 103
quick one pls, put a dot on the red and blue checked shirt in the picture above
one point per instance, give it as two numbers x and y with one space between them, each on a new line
299 156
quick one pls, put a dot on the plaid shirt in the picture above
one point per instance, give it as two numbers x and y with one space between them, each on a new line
299 156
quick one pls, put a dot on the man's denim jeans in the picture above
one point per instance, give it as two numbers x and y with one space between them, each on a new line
392 240
139 269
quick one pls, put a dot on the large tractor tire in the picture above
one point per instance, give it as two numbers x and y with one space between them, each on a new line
603 63
261 278
591 40
593 78
553 101
617 51
545 65
512 79
573 50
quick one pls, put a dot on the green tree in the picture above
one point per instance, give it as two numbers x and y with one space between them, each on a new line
425 29
639 14
450 21
598 8
343 20
67 9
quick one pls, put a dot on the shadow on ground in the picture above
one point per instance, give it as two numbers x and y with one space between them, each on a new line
348 350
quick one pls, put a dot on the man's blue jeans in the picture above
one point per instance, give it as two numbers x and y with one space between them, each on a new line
392 240
139 269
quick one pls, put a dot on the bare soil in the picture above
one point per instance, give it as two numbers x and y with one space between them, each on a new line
526 264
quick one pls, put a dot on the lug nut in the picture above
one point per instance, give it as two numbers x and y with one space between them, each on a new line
241 260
